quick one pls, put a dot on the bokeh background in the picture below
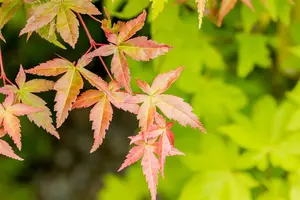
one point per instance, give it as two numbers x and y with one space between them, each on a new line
241 79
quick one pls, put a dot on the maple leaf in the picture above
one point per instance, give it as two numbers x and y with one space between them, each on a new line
69 85
150 163
7 11
61 15
9 119
24 93
101 114
5 149
173 107
201 8
139 48
165 144
227 5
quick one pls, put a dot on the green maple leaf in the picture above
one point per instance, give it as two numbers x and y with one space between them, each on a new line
223 176
252 51
266 136
213 100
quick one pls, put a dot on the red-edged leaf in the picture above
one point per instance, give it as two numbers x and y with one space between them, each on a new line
163 81
5 149
175 108
67 26
150 166
101 115
140 48
133 156
68 88
41 16
88 98
119 68
143 85
226 6
130 28
51 68
164 147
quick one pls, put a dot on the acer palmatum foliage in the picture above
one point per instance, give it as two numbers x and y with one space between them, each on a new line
155 140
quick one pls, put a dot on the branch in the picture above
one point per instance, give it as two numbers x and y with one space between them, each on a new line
93 44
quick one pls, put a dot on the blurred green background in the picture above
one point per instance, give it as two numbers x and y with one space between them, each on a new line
241 79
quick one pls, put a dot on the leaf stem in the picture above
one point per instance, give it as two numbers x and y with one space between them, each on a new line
93 44
3 75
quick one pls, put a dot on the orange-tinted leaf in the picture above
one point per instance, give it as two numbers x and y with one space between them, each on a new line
41 16
68 88
140 48
95 81
173 107
84 61
51 68
226 6
67 26
163 81
101 115
143 85
150 166
6 150
105 50
2 132
24 93
165 147
133 156
119 68
88 98
83 7
130 28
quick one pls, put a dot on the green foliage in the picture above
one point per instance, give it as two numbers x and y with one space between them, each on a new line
241 81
